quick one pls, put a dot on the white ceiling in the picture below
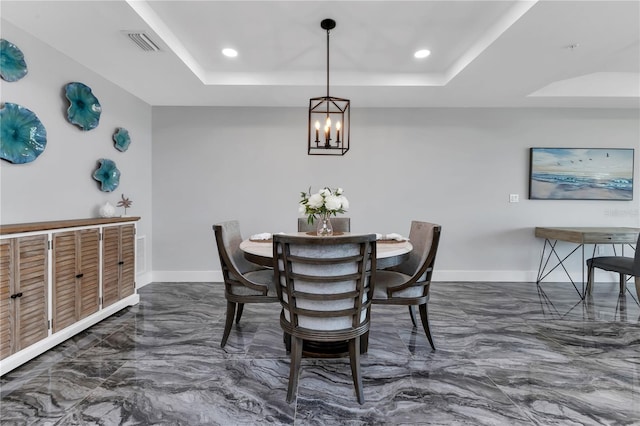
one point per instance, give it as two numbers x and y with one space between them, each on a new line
484 53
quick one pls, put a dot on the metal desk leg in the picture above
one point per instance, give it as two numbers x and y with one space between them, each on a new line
544 263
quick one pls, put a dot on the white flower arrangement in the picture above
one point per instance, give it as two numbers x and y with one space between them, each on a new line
324 203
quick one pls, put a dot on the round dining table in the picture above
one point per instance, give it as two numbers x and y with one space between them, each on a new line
388 252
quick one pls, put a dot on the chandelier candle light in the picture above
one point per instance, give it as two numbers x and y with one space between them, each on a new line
323 109
321 206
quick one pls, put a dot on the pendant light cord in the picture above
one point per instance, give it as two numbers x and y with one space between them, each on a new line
328 31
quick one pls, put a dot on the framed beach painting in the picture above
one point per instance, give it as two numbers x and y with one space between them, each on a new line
581 174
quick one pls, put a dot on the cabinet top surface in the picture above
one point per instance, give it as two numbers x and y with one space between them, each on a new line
17 228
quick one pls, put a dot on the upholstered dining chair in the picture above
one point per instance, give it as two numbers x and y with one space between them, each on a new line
325 286
623 265
244 282
408 283
339 224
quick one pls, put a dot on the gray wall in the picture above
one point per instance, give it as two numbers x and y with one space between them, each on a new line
456 167
59 183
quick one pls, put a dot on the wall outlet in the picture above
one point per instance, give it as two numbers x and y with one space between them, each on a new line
514 198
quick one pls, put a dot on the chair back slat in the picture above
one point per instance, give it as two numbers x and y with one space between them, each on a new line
324 296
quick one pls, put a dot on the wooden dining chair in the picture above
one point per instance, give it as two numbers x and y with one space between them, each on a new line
622 265
409 283
339 224
244 282
325 286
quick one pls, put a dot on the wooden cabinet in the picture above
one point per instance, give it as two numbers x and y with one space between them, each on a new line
85 266
23 292
118 263
76 276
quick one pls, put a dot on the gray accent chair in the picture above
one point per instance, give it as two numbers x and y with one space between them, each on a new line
325 286
339 224
621 264
409 283
244 282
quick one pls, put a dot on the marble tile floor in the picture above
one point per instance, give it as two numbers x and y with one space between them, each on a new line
507 354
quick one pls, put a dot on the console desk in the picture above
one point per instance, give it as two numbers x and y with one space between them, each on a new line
580 237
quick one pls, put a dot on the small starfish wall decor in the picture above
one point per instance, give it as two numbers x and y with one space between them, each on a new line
125 202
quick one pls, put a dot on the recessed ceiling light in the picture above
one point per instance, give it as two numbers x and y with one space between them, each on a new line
230 53
423 53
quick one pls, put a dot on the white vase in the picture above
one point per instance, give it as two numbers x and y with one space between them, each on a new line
107 210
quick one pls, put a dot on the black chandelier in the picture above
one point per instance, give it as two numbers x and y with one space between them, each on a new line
328 128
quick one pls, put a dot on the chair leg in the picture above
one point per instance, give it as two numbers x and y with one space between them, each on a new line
589 306
424 316
412 314
231 311
294 371
239 314
623 283
364 343
286 337
354 356
590 273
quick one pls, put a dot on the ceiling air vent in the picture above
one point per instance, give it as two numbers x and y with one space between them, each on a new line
143 41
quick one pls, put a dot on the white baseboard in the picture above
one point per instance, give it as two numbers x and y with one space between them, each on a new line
438 275
187 276
494 276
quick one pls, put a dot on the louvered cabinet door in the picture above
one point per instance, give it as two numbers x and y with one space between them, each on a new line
88 274
7 336
118 263
127 260
31 284
64 279
23 292
110 266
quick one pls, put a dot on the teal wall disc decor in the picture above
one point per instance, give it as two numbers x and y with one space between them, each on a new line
84 109
12 64
107 174
22 136
121 139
